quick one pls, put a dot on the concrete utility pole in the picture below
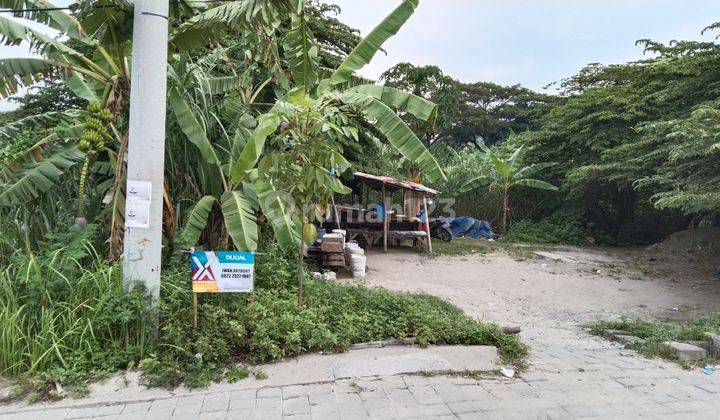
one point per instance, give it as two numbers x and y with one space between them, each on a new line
146 147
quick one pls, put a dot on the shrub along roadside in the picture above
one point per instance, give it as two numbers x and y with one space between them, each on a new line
66 322
655 333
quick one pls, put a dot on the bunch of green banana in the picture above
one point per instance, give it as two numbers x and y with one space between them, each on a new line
95 133
93 138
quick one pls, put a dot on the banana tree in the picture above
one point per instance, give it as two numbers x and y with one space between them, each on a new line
506 174
90 56
285 164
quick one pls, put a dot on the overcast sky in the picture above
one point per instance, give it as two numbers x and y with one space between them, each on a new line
532 42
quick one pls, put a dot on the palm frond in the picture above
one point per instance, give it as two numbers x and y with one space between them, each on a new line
239 15
223 84
363 53
535 183
395 98
396 131
47 120
301 51
31 182
278 212
267 124
475 183
515 160
82 88
197 220
240 220
56 19
21 72
191 127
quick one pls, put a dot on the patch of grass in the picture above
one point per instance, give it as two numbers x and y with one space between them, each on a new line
272 326
66 322
470 246
65 319
655 333
462 246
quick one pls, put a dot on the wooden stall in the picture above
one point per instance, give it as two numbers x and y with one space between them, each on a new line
383 224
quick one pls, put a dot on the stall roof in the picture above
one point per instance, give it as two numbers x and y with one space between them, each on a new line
391 184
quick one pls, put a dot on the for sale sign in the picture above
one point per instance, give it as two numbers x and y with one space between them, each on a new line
222 271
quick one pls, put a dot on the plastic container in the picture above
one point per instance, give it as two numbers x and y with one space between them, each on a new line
358 262
352 248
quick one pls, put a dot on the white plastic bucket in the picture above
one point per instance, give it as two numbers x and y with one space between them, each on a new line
358 265
352 248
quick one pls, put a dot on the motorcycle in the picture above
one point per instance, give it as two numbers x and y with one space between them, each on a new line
440 229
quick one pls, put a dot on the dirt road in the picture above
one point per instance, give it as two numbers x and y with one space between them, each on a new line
560 288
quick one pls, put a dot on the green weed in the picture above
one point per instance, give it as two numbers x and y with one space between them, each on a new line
655 333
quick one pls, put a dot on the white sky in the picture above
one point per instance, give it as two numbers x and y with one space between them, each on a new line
531 42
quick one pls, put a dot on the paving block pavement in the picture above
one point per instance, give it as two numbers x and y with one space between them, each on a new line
567 378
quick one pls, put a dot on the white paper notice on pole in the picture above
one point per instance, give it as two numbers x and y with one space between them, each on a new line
137 204
139 191
137 214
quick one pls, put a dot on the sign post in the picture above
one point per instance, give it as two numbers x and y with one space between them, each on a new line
220 272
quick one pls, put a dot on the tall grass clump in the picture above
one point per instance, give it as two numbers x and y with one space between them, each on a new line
64 316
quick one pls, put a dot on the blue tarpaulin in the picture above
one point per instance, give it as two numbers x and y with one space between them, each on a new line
470 227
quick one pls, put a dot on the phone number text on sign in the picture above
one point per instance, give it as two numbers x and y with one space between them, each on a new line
222 271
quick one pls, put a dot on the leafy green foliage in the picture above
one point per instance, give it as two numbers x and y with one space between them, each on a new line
240 220
556 229
65 316
396 131
301 51
431 83
191 127
67 319
470 113
38 175
334 38
635 142
273 325
197 221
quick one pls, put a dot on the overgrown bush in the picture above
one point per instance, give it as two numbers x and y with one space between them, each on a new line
555 229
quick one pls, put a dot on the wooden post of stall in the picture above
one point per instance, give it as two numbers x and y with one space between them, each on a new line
427 222
386 222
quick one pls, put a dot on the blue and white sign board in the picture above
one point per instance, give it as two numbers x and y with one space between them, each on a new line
222 271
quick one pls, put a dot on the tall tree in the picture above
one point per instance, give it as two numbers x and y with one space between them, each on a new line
633 140
470 113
